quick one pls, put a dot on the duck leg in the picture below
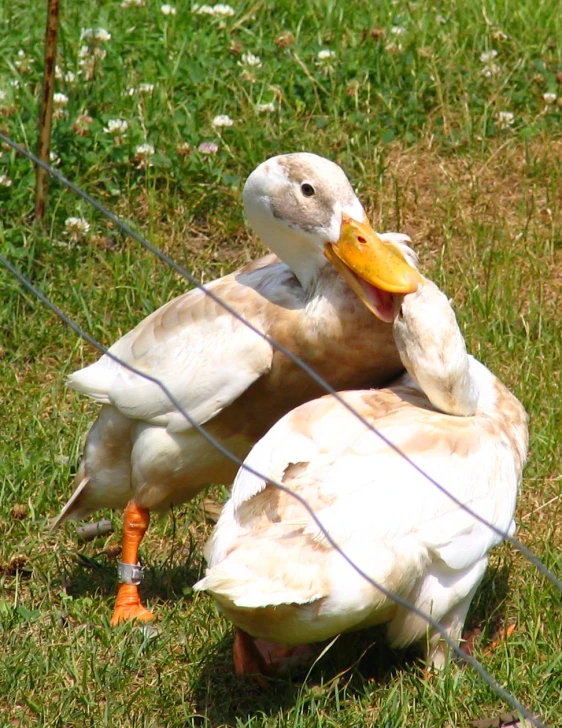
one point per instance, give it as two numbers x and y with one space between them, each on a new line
258 657
128 605
247 658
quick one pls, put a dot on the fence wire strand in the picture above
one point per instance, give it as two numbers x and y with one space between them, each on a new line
124 227
504 694
434 624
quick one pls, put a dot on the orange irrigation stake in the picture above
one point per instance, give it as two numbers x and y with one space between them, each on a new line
45 120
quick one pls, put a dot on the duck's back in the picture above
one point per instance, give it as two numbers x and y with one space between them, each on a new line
384 510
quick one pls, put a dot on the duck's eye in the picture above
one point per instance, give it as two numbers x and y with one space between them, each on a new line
307 189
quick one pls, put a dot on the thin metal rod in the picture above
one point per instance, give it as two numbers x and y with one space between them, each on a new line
46 118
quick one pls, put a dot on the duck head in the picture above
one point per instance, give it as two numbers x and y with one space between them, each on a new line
433 350
304 208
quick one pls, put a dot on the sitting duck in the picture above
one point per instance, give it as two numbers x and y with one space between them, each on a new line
271 569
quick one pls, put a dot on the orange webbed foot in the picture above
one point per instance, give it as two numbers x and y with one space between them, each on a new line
256 657
502 635
472 636
129 607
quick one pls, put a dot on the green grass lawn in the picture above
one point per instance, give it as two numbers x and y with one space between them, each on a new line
447 117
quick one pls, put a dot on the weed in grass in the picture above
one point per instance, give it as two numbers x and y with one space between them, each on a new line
408 99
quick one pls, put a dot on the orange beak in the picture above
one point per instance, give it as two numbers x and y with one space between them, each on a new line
361 257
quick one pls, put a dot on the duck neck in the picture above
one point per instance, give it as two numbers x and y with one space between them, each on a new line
452 389
305 260
433 351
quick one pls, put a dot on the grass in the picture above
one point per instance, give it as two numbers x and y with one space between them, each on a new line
415 121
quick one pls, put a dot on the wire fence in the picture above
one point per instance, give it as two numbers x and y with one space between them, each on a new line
532 558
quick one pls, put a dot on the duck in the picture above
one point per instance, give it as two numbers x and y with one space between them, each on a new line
315 294
275 573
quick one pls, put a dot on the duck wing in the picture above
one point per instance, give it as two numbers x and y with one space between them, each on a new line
200 352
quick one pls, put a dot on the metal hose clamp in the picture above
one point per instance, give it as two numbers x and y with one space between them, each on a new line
129 573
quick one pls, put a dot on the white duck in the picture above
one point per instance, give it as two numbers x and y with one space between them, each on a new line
272 571
141 454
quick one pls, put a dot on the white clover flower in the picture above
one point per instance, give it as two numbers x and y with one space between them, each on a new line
397 30
132 3
208 148
5 181
144 150
220 10
269 107
222 120
505 119
142 156
81 125
492 70
142 88
223 10
167 10
54 158
326 54
23 64
95 35
76 227
488 56
250 60
68 76
549 98
117 127
183 149
60 100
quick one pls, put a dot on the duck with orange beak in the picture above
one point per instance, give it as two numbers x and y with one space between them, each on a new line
316 296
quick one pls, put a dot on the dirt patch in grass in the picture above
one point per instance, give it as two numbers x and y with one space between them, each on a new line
513 189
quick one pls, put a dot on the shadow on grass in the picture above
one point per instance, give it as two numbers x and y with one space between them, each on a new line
352 663
352 667
86 576
487 611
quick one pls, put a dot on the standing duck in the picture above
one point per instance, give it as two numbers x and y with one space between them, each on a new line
270 567
316 298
